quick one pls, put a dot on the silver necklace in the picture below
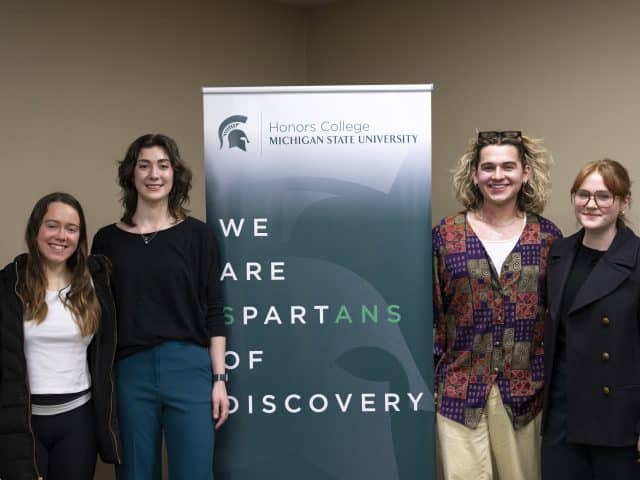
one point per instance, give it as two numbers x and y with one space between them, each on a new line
147 237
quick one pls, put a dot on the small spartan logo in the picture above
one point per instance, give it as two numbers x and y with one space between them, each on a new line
235 136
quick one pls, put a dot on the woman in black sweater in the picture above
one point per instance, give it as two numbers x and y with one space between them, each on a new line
591 418
171 334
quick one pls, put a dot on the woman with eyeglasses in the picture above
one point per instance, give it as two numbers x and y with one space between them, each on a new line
57 348
489 265
592 361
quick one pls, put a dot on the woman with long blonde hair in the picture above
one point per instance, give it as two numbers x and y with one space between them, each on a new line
57 345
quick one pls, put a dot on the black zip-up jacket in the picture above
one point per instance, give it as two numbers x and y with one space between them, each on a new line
17 447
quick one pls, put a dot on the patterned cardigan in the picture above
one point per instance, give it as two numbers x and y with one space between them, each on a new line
488 328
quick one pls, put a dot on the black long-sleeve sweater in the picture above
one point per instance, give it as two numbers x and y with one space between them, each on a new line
165 288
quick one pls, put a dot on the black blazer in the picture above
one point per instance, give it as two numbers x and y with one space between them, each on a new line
603 342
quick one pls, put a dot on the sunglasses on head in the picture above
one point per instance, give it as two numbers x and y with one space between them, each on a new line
496 137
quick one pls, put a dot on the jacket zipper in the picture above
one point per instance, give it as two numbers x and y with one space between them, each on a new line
33 438
113 361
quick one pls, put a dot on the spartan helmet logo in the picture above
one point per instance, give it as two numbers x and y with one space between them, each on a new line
235 136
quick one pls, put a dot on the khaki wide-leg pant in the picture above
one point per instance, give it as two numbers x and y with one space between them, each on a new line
472 454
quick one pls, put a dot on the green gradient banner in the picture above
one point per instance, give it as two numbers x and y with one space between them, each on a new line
321 198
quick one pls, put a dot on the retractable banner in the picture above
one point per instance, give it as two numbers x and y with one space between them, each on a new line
321 201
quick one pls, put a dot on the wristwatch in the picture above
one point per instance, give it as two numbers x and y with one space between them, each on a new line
221 377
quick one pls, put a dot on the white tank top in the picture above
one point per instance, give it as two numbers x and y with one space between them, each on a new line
55 350
499 250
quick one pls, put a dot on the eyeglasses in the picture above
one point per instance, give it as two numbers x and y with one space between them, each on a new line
603 198
493 137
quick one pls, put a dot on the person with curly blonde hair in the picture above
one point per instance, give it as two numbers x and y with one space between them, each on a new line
489 264
536 161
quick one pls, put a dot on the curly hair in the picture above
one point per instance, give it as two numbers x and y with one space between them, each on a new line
81 298
615 177
533 195
179 195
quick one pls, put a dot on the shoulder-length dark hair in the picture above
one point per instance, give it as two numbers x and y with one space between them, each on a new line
81 298
179 195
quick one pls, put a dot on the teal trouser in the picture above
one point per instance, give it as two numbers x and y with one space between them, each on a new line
166 390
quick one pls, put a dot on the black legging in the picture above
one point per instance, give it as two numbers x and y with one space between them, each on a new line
66 444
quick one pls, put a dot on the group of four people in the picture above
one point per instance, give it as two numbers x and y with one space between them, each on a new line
535 333
531 331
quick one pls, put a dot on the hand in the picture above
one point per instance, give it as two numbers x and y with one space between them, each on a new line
220 401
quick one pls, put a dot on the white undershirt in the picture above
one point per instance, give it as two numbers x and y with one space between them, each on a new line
499 250
55 350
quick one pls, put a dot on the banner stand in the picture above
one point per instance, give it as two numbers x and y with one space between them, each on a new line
320 198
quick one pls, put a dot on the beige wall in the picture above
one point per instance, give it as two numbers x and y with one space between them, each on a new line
566 71
79 80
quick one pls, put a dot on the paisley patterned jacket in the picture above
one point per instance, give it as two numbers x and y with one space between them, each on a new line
489 327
